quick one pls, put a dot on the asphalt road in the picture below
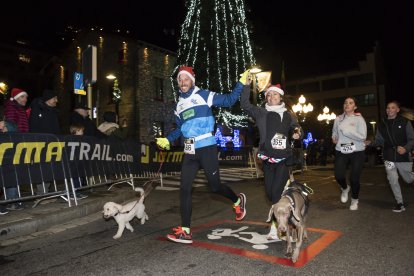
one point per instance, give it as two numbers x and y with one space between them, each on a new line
371 241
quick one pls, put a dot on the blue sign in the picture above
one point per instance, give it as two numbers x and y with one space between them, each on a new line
78 84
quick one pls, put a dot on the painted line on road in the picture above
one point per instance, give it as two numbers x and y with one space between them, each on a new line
305 256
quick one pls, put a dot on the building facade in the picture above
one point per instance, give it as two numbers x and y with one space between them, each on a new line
142 72
366 83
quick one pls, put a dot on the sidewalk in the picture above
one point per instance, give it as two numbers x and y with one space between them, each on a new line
31 220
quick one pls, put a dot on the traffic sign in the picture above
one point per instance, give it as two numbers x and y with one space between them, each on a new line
78 84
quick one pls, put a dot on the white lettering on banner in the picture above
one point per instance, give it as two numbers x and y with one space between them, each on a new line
84 150
259 241
229 157
108 158
124 157
72 146
96 152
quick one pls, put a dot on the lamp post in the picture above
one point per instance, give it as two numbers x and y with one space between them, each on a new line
116 92
373 126
254 71
325 116
302 108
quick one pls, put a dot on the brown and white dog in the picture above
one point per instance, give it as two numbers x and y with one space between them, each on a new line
123 214
290 213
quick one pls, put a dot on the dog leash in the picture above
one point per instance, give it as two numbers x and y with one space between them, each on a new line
131 208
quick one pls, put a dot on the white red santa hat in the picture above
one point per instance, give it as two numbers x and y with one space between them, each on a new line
17 92
275 88
186 71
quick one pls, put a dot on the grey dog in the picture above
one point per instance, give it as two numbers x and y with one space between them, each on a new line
290 213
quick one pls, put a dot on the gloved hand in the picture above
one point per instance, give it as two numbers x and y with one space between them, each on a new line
245 77
163 143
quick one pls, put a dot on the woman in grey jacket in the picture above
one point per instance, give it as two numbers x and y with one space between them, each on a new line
349 134
278 128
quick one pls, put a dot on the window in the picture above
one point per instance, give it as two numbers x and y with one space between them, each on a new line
360 80
309 87
158 129
366 99
333 84
159 89
334 103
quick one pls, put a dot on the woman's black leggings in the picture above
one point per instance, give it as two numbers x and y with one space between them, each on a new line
205 158
356 161
275 176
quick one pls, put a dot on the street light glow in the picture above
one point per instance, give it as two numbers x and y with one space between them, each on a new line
110 77
325 116
255 70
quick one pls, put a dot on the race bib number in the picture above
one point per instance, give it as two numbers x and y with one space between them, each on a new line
278 141
189 146
348 148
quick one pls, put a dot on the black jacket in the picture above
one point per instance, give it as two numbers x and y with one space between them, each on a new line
43 118
393 133
270 123
90 127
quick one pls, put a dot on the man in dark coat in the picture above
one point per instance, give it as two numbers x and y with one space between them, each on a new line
44 116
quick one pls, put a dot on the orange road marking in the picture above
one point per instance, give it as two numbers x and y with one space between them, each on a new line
305 255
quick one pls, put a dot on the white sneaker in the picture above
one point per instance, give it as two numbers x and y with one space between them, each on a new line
354 205
344 194
272 236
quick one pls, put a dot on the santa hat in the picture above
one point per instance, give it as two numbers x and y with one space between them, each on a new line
186 71
275 88
17 92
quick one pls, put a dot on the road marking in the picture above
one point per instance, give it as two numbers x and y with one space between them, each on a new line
305 256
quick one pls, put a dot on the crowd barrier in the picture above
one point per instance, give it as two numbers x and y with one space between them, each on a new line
30 163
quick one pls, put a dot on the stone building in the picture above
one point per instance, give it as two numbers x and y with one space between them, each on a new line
366 83
143 73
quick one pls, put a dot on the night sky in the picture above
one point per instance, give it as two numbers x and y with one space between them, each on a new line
312 37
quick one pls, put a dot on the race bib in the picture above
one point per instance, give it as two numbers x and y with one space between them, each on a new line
189 146
389 165
348 148
278 141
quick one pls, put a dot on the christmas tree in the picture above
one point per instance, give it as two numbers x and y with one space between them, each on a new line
215 42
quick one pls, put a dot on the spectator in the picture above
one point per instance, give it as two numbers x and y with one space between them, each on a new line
77 181
110 126
395 133
16 113
16 110
6 126
323 151
44 118
349 134
80 115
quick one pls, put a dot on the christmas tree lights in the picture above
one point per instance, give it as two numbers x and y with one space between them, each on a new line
215 42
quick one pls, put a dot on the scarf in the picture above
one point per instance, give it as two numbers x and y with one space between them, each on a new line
276 108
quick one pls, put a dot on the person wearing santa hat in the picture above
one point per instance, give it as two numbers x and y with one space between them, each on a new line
16 114
16 109
278 128
195 121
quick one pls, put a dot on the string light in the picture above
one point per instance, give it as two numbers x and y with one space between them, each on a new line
215 41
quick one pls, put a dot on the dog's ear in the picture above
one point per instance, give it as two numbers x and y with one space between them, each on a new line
270 216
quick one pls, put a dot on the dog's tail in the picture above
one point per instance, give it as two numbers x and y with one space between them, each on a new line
141 192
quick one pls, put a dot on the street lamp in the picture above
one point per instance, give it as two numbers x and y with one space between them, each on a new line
3 88
254 71
373 126
301 107
325 116
111 77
